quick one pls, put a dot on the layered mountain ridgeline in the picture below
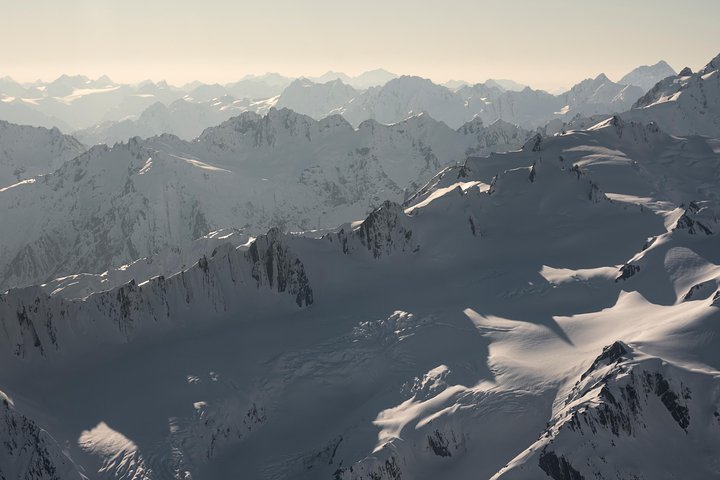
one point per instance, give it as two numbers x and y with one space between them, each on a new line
183 118
105 111
166 262
112 206
38 325
406 96
445 333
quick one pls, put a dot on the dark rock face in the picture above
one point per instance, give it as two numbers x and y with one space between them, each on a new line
275 266
38 324
610 354
382 233
534 144
439 444
700 287
558 468
377 233
387 470
689 221
685 72
627 271
693 227
669 398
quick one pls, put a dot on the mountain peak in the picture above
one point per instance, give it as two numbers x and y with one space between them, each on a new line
601 78
646 76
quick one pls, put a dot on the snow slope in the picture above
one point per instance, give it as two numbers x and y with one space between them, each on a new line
547 312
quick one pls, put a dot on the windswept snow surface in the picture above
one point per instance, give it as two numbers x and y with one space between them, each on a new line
548 312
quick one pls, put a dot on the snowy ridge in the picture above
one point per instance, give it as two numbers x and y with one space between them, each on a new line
26 152
685 104
36 324
166 262
252 172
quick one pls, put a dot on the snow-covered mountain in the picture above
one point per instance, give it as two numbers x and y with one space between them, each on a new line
20 112
258 87
73 102
166 262
11 88
646 76
104 111
406 96
181 118
112 206
371 78
26 152
505 84
688 103
317 100
599 95
547 312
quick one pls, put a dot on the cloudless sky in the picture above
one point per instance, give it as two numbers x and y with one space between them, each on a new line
547 44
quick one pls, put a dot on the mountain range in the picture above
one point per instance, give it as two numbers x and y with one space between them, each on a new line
115 205
468 331
103 111
371 294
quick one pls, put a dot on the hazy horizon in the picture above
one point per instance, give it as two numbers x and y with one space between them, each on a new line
216 41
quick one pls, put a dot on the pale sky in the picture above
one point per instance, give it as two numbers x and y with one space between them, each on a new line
547 44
